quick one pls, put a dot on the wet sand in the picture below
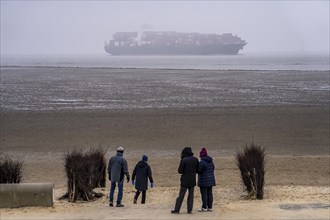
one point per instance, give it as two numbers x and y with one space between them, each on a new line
295 131
296 139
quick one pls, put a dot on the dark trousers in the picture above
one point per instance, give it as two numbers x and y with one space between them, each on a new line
207 197
144 195
190 199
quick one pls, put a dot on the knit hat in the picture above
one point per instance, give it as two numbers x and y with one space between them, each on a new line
145 158
120 149
203 153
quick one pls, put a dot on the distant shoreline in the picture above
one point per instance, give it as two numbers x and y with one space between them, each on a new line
165 69
250 61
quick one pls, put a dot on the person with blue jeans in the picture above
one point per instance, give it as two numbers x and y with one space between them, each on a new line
117 168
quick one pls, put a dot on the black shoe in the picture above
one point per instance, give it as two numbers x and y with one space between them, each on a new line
134 201
174 212
189 212
119 205
111 204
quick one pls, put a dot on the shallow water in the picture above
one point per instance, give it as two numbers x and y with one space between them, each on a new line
40 88
250 61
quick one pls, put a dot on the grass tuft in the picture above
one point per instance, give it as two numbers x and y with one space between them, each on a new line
251 163
10 170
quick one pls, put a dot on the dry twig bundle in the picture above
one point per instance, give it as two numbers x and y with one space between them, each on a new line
251 163
10 170
84 173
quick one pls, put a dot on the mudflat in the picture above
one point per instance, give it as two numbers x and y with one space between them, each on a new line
293 130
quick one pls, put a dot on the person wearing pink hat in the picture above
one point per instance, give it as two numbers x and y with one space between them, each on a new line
206 180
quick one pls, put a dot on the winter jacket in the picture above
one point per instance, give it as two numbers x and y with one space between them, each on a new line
142 172
117 168
206 172
188 168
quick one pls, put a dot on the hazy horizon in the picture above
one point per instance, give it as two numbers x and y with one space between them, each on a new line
82 27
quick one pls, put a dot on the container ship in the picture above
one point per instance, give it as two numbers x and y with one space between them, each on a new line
173 43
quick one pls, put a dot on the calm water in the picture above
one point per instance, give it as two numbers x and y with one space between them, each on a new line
239 62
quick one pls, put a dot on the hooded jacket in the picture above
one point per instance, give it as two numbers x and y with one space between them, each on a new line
117 168
142 172
206 172
188 168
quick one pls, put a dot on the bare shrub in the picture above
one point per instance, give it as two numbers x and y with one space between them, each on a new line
84 173
10 170
98 167
251 163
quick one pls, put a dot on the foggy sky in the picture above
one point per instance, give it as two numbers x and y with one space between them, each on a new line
82 27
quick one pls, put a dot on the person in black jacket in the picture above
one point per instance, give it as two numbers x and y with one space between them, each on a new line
206 180
188 169
142 172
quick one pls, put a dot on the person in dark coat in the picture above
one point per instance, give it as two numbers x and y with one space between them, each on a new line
141 173
188 169
206 180
117 168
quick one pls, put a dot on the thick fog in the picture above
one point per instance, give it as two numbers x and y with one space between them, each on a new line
82 27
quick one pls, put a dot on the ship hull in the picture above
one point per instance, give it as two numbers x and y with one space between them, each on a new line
223 49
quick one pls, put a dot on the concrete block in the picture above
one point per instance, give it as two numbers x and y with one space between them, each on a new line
26 194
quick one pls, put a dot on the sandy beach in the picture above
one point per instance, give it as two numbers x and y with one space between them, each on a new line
296 138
